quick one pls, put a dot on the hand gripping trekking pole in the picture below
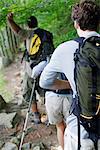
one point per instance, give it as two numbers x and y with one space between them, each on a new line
26 119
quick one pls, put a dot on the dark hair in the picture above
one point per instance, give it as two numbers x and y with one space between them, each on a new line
87 15
32 22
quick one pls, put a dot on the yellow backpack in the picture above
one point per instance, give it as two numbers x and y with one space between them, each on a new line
35 44
41 46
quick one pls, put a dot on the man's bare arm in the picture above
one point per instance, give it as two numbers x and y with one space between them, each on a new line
61 84
58 85
16 28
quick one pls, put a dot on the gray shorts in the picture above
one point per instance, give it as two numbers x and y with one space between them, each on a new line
57 106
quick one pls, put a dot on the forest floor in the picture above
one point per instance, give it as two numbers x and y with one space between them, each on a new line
41 132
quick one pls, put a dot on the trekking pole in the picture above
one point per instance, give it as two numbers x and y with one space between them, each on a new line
26 119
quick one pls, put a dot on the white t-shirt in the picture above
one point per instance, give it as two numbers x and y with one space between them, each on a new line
62 60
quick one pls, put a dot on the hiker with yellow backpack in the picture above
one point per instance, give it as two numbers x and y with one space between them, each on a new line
39 46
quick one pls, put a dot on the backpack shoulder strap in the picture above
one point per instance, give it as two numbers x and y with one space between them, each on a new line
95 40
76 101
33 32
80 40
25 52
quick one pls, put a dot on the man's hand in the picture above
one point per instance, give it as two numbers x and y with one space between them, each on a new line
10 16
12 24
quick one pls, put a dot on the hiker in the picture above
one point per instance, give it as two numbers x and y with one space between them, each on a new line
39 45
86 18
57 107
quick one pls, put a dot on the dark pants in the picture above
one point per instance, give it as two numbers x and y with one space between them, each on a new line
27 87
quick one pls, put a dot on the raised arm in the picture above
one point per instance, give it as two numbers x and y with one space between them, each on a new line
16 28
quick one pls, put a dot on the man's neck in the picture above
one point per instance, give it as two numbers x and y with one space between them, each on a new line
85 33
33 28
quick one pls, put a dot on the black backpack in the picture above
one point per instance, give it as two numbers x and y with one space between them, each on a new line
86 105
41 46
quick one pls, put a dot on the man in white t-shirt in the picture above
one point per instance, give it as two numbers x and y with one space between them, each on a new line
86 17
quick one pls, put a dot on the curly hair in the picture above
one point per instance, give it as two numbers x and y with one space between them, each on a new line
87 15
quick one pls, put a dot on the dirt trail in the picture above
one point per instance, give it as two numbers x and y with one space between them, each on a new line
40 133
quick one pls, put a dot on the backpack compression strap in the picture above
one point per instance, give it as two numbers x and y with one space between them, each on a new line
79 40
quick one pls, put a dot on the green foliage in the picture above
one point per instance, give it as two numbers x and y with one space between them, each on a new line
54 15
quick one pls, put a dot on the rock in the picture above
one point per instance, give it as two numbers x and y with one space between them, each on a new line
15 140
6 119
16 119
2 103
12 107
10 146
37 148
9 120
26 146
1 144
19 136
54 148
